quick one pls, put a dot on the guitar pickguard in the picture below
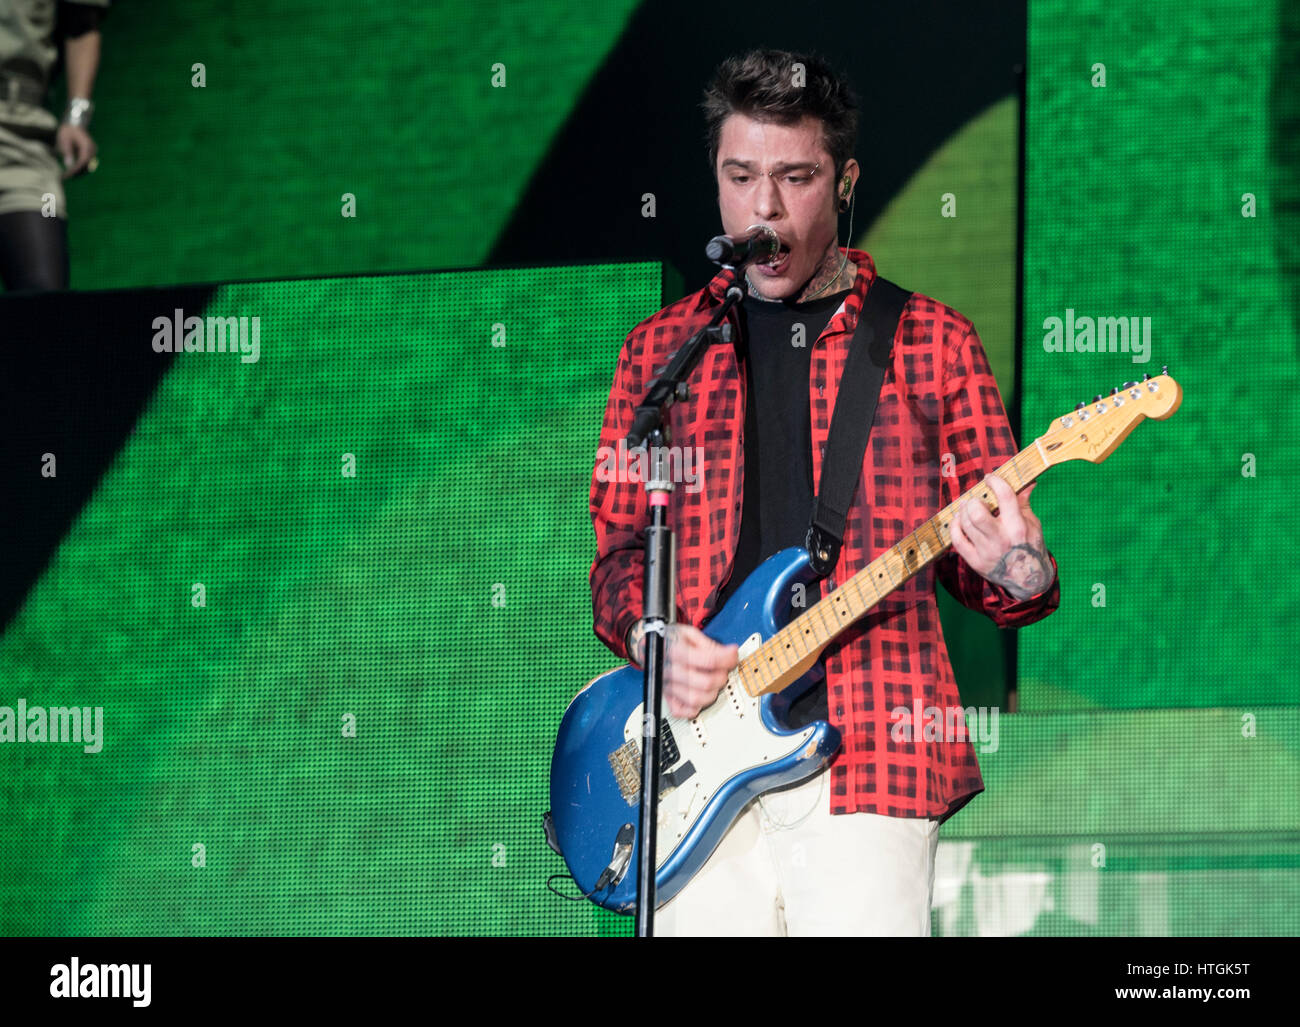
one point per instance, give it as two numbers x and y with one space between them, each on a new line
699 756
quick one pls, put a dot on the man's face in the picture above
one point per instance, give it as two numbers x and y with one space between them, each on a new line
799 204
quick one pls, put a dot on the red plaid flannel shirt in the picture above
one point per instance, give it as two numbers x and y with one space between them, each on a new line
939 428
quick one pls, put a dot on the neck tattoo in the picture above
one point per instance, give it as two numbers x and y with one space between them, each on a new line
833 274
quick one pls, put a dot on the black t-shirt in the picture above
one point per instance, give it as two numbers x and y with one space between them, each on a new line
778 487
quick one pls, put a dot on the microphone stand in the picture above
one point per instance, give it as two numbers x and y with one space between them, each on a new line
660 604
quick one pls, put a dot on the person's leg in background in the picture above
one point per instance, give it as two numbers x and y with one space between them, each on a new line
33 205
33 251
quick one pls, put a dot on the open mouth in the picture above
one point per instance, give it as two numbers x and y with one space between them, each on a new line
778 263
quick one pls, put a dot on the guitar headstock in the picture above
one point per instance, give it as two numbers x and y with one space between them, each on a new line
1092 431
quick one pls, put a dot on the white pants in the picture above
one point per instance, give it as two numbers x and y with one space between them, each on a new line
788 867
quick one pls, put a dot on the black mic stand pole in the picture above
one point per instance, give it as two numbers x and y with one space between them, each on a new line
650 424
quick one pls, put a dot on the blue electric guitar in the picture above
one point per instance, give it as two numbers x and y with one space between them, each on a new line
739 748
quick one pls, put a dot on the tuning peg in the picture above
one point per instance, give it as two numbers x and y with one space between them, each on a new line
1080 406
1097 398
1129 385
1164 369
1115 391
1146 377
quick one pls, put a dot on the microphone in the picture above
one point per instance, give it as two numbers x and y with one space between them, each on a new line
759 243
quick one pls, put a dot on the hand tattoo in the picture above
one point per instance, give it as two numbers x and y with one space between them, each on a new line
1023 571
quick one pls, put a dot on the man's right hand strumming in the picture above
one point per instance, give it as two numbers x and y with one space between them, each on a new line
695 667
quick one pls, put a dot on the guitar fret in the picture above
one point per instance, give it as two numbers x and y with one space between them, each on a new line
787 645
854 598
805 628
798 640
810 631
1020 478
826 632
874 588
931 545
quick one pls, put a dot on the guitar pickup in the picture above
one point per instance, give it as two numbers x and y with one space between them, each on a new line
668 751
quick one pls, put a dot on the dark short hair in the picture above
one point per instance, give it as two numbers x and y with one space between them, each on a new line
762 85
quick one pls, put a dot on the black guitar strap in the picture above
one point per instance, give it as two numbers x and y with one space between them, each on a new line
855 408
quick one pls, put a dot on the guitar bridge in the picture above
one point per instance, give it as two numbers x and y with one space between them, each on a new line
625 761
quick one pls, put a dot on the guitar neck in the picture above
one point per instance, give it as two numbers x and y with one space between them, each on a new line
792 651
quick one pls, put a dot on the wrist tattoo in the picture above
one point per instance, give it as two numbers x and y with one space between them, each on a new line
1023 571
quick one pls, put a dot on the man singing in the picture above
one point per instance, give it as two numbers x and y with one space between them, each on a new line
850 850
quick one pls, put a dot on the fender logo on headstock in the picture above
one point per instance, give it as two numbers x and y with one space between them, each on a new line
1101 442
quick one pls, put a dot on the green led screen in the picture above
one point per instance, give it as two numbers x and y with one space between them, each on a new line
1150 784
380 524
1166 194
241 139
